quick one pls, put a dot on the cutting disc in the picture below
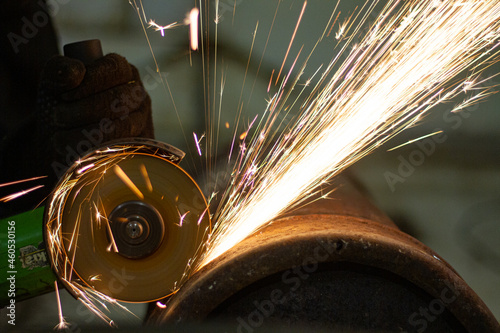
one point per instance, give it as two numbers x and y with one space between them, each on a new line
131 224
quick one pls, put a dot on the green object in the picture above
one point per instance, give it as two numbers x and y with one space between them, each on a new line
25 269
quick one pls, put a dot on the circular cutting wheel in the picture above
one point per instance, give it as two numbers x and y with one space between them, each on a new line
131 224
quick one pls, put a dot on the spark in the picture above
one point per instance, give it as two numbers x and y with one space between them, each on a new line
160 305
333 24
61 248
270 81
85 168
141 14
340 33
19 194
197 142
192 21
97 215
22 181
243 135
112 243
291 41
404 66
126 180
478 97
62 322
390 78
182 217
415 140
145 175
162 28
202 216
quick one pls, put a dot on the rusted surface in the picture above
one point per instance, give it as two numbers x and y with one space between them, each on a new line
355 270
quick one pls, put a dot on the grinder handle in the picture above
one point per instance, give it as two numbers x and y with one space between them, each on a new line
86 51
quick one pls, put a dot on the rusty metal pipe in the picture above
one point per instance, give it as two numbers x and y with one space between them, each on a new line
335 264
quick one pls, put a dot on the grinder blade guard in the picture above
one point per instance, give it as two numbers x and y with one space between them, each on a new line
126 221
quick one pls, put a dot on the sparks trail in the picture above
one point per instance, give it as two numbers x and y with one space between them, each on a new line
291 41
146 178
396 73
148 23
388 80
415 140
192 21
197 142
162 28
22 181
64 245
62 322
18 194
90 204
127 181
62 258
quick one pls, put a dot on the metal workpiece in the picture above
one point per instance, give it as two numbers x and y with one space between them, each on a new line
337 263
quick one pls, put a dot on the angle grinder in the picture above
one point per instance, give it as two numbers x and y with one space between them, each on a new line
125 221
